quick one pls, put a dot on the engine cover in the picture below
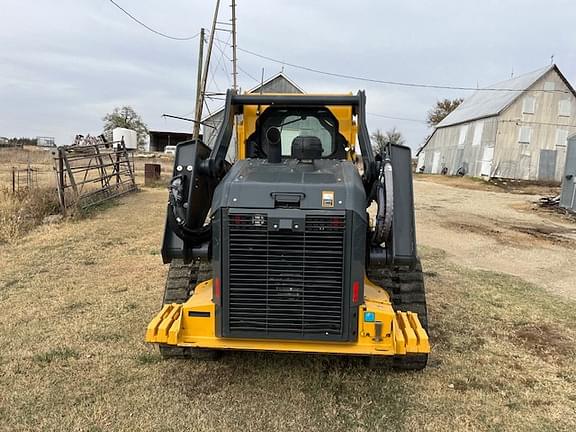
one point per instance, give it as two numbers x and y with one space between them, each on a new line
321 184
288 250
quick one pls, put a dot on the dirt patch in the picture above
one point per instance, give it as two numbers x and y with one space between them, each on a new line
554 212
470 183
526 187
516 235
473 228
548 233
499 232
546 340
520 187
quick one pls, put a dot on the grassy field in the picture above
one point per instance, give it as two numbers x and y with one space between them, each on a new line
26 199
77 297
41 160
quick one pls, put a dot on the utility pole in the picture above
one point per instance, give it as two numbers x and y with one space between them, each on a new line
200 104
234 58
199 98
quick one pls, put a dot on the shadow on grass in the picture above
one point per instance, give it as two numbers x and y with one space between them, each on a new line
333 392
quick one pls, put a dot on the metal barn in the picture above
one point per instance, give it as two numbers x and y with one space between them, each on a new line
160 139
517 132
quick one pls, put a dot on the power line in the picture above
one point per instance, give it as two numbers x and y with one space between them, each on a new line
238 66
392 83
340 75
222 63
337 74
159 33
397 118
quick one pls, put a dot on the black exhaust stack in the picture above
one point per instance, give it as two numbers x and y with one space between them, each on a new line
274 148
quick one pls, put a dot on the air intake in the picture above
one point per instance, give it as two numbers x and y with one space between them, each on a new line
285 283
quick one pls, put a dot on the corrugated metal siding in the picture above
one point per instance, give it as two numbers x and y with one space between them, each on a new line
522 161
279 85
568 194
511 158
454 156
210 133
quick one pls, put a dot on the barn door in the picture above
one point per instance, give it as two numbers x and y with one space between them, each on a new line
547 165
436 163
421 159
486 163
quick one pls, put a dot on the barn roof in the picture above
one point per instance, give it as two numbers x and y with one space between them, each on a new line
278 76
490 103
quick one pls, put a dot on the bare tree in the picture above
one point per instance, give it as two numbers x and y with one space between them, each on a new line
381 139
441 110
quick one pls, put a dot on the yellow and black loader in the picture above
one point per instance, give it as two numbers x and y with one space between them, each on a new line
277 251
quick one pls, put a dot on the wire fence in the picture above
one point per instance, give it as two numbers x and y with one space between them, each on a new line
24 179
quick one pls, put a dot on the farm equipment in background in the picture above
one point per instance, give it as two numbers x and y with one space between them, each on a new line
276 251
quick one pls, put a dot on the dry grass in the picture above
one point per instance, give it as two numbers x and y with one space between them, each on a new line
77 298
24 210
166 163
27 154
37 158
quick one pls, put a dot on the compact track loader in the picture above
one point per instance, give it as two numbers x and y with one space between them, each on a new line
277 252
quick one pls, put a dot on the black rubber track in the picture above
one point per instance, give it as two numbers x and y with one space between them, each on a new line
405 285
180 283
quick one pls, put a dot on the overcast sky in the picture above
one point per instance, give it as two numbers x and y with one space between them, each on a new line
65 63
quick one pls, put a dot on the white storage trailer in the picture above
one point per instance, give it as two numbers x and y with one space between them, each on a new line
129 136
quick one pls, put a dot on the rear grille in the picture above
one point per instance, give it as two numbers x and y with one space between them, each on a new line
286 284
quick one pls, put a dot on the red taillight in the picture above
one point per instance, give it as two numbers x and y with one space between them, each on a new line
355 291
236 219
217 290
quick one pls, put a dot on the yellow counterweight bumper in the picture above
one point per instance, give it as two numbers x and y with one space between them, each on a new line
382 331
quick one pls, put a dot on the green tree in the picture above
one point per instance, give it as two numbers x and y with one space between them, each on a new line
126 117
441 110
381 139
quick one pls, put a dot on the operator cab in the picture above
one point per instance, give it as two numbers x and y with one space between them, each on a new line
297 133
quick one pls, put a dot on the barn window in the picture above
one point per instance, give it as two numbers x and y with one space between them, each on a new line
529 105
549 85
478 129
463 133
524 134
564 108
561 137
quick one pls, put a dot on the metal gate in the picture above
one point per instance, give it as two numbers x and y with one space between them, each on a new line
568 194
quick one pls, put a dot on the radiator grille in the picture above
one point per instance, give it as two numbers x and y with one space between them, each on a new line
286 283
